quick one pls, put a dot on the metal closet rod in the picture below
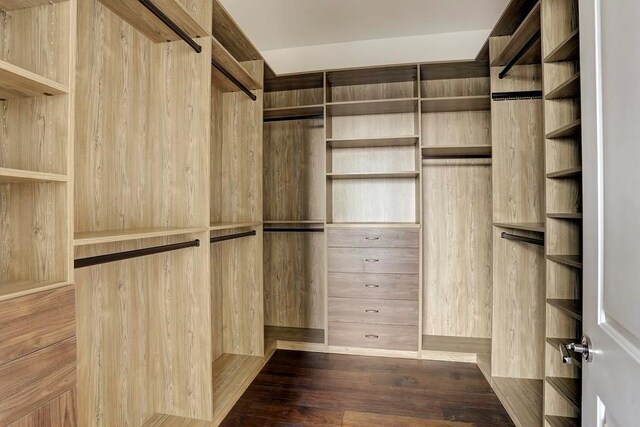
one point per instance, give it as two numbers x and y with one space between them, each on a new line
232 236
293 230
519 55
300 117
523 239
233 80
172 25
119 256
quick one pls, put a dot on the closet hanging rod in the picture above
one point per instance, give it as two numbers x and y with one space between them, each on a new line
293 230
300 117
172 25
232 236
523 239
517 95
233 80
534 39
119 256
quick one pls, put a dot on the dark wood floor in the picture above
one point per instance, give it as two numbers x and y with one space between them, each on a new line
317 389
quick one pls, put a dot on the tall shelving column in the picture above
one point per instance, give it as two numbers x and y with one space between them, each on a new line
560 50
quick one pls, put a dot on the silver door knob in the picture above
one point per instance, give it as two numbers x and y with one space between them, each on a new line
583 348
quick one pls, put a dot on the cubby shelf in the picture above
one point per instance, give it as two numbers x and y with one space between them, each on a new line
567 89
567 50
381 106
222 57
19 176
16 82
293 112
566 173
112 236
538 227
567 131
456 151
456 344
456 103
373 175
570 307
17 288
570 260
568 388
385 141
296 221
522 398
521 37
555 421
307 335
139 17
556 342
575 216
232 225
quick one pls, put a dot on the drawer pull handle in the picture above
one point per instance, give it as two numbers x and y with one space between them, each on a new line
371 336
372 260
371 286
371 311
372 238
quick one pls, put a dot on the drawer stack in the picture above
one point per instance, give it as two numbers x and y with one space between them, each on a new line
373 288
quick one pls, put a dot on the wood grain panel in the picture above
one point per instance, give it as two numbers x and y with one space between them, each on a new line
59 412
376 286
456 128
373 159
290 98
379 311
369 126
373 238
362 335
451 86
519 78
373 260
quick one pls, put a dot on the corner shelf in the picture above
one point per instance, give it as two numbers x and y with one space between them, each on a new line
291 113
570 260
568 89
555 421
114 236
456 103
373 175
307 335
522 398
568 388
570 307
20 176
10 289
555 343
232 225
567 50
16 82
222 56
521 37
538 227
148 24
566 173
456 151
386 141
456 344
382 106
567 131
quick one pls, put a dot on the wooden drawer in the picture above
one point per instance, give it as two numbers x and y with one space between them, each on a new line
380 286
373 260
364 335
381 311
374 237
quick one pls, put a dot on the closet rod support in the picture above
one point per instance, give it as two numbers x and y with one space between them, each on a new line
523 239
172 25
300 117
120 256
232 236
519 55
293 230
233 80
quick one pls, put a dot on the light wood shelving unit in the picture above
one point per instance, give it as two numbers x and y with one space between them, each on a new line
528 30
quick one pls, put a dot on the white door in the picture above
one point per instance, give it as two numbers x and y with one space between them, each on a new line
610 75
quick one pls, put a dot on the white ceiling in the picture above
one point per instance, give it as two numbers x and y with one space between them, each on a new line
281 24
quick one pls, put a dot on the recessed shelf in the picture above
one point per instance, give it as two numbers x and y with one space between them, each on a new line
570 307
19 176
9 5
294 334
17 288
16 82
570 260
383 106
232 225
567 89
456 103
555 343
221 56
555 421
567 131
388 141
139 17
521 37
567 50
538 227
456 151
456 344
575 216
568 388
372 225
112 236
522 398
566 173
373 175
292 113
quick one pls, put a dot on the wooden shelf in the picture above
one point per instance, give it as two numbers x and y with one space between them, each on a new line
19 176
570 307
291 112
566 173
576 216
146 22
529 27
16 82
296 221
555 421
113 236
522 398
569 389
555 343
383 106
222 56
18 288
387 141
567 131
456 151
294 334
456 344
373 175
9 5
456 103
232 375
567 50
570 260
567 89
372 225
232 225
538 227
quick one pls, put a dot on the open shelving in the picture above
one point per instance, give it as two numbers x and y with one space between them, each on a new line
568 215
570 307
570 260
570 88
378 106
456 344
112 236
373 175
557 421
219 226
227 75
522 398
293 113
520 40
17 288
18 176
456 103
538 227
566 131
456 151
567 50
568 388
16 82
566 173
382 141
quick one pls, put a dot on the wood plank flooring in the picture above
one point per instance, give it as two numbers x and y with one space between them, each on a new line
318 389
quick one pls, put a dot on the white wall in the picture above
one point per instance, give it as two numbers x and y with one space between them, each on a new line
400 50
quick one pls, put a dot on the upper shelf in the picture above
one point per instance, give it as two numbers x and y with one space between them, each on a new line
223 58
10 289
374 175
220 226
384 106
537 227
456 103
390 141
142 19
567 50
520 39
293 113
112 236
567 131
8 5
16 82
